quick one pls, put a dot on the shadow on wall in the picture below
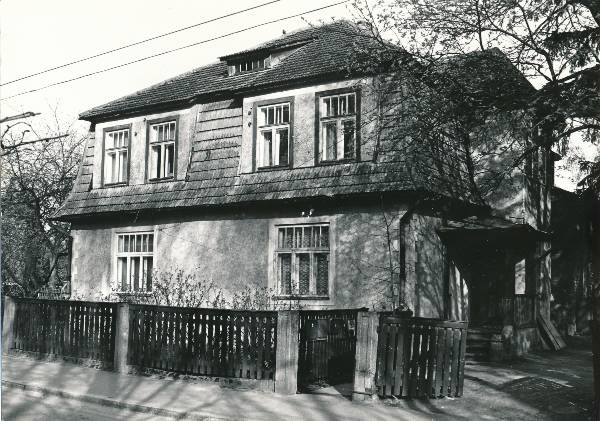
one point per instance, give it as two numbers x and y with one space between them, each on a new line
370 244
367 264
429 300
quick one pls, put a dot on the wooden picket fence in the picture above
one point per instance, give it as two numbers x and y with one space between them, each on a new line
77 329
206 342
419 357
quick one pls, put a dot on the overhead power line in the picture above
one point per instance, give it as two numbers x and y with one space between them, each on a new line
174 50
139 42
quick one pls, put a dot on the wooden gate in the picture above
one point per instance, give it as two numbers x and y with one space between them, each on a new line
327 347
418 357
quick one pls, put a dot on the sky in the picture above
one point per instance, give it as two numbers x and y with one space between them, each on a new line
37 35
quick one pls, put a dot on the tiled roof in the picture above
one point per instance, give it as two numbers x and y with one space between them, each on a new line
291 38
325 54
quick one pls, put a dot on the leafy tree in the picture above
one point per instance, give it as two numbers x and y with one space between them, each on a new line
554 44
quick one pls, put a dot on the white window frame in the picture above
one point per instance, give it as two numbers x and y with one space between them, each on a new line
127 257
342 114
270 158
250 64
116 157
294 252
158 150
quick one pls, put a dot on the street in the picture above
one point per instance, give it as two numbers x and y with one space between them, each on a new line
26 405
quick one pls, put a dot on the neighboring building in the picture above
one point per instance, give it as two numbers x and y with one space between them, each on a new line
263 169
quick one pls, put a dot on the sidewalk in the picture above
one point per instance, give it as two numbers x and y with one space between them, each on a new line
543 386
181 399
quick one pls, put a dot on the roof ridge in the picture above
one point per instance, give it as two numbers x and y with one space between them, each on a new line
312 34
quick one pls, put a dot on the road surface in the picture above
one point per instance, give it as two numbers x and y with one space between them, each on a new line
19 405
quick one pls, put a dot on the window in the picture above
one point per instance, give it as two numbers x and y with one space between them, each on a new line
302 258
273 135
337 127
134 261
162 150
116 145
248 65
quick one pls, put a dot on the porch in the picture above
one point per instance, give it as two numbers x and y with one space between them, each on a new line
504 266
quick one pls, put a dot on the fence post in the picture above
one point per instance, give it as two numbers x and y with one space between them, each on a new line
286 366
367 324
121 338
8 324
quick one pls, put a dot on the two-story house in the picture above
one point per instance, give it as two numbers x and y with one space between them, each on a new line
260 170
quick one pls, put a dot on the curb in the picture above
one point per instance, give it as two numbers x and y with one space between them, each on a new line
113 403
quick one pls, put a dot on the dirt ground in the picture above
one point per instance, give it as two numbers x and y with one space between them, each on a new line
545 385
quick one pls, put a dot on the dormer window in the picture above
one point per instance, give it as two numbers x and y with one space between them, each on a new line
273 135
248 64
338 115
162 136
116 156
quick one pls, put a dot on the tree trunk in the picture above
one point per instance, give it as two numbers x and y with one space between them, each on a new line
595 300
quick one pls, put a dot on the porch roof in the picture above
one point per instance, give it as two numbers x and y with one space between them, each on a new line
491 231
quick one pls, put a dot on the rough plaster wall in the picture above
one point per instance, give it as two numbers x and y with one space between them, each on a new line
363 274
303 123
424 287
429 286
138 144
234 252
90 264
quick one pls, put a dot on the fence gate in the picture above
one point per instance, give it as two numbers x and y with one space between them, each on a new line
418 357
327 345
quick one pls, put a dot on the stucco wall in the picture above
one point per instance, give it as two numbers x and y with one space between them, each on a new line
234 251
434 285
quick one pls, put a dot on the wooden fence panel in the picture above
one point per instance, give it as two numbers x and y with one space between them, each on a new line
419 357
206 342
77 329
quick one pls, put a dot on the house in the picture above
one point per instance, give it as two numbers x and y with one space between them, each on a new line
266 169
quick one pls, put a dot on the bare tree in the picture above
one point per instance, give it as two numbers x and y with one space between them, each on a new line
37 176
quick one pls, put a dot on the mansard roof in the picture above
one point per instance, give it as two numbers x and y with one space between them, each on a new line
213 179
213 175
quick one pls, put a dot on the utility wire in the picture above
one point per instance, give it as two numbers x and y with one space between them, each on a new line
139 42
174 50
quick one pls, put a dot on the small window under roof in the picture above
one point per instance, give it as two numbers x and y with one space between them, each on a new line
247 64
